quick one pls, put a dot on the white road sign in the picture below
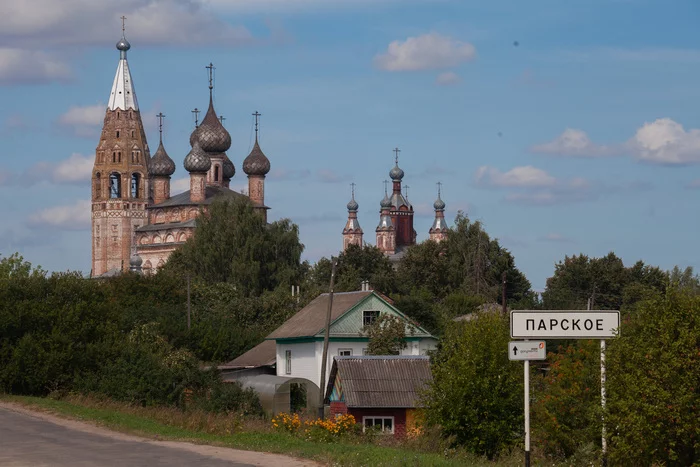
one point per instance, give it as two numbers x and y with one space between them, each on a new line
533 324
527 350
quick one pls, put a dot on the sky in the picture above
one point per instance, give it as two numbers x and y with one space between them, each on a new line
564 127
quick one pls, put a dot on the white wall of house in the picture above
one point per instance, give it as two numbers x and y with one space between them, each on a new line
307 356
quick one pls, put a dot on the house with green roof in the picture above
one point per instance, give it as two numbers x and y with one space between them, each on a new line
299 341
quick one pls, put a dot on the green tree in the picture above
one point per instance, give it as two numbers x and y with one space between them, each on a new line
233 244
387 336
476 393
653 375
14 266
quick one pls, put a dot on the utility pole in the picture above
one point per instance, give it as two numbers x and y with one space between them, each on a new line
503 298
188 301
326 337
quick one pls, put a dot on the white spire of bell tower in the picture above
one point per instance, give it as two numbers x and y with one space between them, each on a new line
123 95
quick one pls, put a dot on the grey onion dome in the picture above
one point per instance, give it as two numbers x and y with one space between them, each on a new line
161 164
396 173
135 261
123 45
256 163
386 202
228 169
197 160
194 136
211 134
439 204
352 205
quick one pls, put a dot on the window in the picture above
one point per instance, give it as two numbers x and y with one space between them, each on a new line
216 173
135 182
345 352
98 186
115 187
288 362
117 133
382 424
369 316
114 157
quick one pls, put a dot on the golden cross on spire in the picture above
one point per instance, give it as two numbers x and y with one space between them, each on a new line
397 151
257 115
210 67
123 24
160 125
196 117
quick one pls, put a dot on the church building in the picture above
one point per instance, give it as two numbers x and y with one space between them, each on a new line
136 223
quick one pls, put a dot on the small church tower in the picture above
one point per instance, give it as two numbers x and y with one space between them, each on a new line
401 210
160 169
438 232
386 233
352 233
256 166
120 188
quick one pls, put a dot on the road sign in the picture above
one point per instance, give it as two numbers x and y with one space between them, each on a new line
576 324
527 350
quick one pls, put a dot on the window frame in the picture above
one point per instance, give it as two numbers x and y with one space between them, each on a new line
383 418
341 354
368 320
287 362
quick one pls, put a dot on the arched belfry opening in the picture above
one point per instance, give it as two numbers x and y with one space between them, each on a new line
115 186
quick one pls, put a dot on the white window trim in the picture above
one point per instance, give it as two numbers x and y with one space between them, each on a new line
381 417
288 362
340 354
376 317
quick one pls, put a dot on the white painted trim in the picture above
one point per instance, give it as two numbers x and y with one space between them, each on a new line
382 417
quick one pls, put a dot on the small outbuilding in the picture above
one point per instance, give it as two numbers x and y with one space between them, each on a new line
381 392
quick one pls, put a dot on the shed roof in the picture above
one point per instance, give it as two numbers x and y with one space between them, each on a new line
380 381
311 319
263 354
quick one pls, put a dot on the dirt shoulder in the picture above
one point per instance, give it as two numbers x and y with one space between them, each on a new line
226 454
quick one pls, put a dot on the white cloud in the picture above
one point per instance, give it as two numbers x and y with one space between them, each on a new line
19 66
76 216
448 78
526 176
179 185
666 142
429 51
83 120
76 169
575 143
149 22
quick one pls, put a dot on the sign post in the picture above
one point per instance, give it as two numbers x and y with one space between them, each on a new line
574 324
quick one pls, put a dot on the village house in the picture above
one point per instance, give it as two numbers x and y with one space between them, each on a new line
381 392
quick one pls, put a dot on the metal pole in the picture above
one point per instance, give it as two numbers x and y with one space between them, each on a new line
188 302
526 365
322 385
604 444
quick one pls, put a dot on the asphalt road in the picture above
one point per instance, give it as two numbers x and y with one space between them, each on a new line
32 440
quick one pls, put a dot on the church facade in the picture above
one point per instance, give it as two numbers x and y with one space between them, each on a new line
136 223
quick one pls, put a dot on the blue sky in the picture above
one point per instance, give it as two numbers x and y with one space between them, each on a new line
565 127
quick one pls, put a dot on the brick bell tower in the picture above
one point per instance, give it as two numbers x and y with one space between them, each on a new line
120 184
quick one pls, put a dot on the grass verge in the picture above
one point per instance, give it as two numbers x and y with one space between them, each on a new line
122 418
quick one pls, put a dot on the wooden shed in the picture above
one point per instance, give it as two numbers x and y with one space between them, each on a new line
381 392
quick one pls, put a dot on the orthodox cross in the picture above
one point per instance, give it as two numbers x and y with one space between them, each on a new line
352 185
160 125
397 151
257 115
439 185
196 117
406 187
386 182
221 119
123 21
210 67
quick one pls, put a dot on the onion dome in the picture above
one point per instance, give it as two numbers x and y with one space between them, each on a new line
123 45
161 164
194 136
135 261
228 168
396 173
211 134
256 163
352 205
386 202
197 160
439 204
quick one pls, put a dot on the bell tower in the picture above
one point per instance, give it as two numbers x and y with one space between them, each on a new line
120 183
